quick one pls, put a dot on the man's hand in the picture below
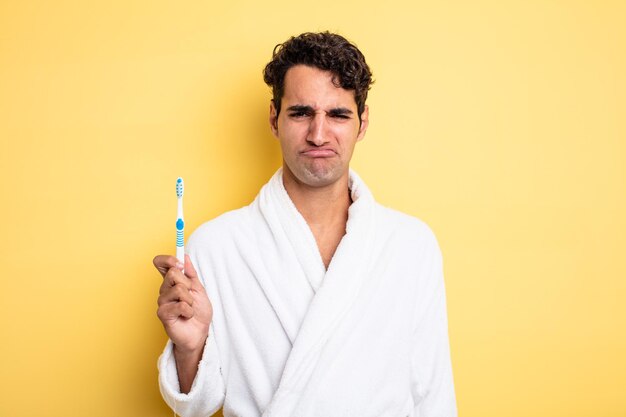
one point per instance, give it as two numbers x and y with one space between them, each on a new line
184 307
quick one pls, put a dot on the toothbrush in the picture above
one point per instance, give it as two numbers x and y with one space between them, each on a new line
180 222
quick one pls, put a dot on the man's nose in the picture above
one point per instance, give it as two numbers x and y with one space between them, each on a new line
318 130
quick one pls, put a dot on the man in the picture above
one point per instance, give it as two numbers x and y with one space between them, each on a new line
322 302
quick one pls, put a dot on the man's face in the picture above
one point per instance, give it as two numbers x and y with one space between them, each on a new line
318 126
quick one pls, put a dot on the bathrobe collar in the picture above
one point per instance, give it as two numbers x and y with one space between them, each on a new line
333 290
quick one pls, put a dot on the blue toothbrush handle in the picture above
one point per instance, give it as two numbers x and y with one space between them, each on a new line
180 240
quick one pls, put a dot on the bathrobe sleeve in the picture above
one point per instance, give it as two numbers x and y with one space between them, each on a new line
432 381
207 392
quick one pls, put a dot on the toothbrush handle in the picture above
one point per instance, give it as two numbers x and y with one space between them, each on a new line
180 254
180 240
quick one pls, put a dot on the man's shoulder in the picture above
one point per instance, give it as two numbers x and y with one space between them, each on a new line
405 226
222 227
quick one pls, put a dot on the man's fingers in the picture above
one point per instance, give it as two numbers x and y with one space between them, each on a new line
164 263
174 277
190 271
175 294
172 311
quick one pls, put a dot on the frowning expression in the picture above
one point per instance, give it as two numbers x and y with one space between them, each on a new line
318 126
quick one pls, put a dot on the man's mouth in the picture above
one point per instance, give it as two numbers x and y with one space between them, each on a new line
319 153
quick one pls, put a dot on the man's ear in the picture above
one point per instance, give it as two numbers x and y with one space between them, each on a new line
273 119
365 120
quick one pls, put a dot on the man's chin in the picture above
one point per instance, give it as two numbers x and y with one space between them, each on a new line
320 177
316 175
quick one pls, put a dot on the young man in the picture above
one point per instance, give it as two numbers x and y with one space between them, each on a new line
322 302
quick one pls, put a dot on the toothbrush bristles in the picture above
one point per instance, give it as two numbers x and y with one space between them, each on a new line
180 187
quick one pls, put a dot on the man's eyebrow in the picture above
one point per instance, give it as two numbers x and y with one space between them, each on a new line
338 111
303 108
300 108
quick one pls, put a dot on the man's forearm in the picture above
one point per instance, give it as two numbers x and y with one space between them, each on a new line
187 367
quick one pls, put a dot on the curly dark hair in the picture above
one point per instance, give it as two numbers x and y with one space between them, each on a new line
326 51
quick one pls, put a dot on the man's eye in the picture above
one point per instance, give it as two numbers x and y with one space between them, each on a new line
340 116
298 114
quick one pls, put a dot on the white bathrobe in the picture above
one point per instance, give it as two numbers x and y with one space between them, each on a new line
367 337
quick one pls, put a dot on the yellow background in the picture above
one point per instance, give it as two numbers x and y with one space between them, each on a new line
501 124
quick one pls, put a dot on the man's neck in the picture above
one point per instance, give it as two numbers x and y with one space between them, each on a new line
320 206
325 210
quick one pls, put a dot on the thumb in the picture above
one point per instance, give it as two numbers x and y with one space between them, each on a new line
190 271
